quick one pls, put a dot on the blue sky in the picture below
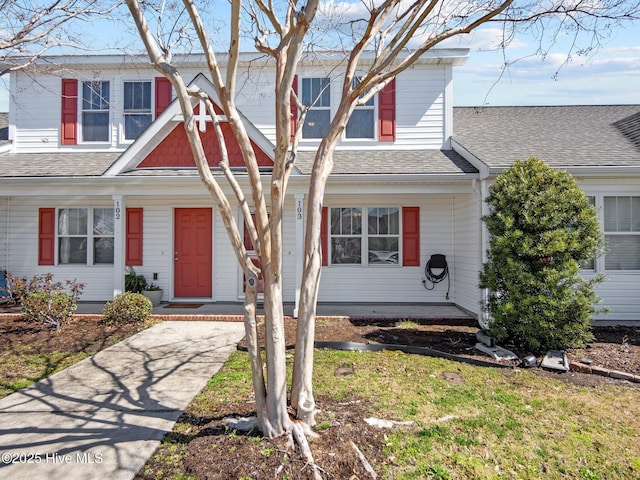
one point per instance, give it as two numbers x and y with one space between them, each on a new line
610 75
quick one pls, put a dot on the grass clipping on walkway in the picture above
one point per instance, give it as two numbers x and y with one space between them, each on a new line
468 422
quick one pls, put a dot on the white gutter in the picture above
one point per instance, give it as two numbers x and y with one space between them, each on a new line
483 169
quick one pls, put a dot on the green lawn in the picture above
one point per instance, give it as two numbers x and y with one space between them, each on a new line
497 424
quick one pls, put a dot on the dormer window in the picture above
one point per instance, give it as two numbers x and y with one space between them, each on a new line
137 108
95 111
316 93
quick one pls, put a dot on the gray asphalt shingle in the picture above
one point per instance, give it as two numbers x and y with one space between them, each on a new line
56 164
349 162
562 136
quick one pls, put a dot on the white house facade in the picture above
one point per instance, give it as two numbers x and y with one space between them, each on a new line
97 176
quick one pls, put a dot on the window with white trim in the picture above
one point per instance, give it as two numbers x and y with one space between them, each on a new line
95 111
316 93
80 245
622 233
137 108
372 239
362 121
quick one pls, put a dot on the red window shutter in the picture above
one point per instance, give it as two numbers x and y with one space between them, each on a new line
133 249
163 94
248 244
387 113
411 236
46 236
69 119
294 108
324 236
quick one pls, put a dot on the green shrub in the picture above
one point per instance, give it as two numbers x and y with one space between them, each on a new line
127 307
542 229
45 300
134 282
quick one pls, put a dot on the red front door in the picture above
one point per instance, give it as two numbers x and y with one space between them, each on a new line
192 256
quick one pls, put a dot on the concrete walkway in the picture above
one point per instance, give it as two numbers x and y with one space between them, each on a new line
103 417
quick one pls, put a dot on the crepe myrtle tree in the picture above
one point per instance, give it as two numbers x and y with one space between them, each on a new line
542 229
379 39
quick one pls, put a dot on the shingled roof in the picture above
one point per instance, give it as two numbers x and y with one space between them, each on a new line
350 162
561 136
55 164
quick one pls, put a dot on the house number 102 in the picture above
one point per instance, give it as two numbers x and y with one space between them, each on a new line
117 210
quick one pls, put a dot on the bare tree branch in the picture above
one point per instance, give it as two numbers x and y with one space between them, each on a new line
31 29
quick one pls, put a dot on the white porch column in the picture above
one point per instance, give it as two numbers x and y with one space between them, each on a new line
119 232
299 251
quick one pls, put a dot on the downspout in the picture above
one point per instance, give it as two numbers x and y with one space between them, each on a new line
482 192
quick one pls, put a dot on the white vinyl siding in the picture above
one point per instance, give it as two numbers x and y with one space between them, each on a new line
420 107
38 116
468 261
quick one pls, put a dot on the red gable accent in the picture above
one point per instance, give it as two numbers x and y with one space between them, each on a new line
216 108
174 150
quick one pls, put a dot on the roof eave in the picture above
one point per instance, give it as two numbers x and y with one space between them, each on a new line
584 170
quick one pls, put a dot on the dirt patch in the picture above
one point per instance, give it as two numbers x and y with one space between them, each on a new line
82 333
214 454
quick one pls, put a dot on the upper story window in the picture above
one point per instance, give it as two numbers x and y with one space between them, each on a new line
137 108
622 233
316 93
95 111
361 123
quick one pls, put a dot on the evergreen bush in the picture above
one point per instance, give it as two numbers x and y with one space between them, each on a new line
542 229
127 307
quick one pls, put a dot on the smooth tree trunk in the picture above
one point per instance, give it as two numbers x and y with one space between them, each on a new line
302 398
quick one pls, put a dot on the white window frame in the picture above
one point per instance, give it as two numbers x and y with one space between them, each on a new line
108 111
617 233
314 102
365 236
370 105
129 112
90 236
